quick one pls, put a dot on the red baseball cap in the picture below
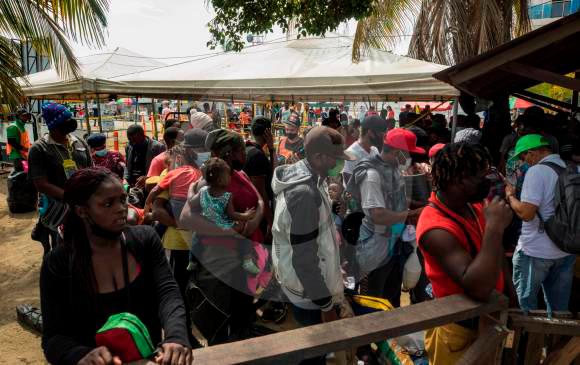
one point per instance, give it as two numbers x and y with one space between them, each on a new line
402 139
436 148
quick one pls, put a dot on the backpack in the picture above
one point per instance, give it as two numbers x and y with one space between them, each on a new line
564 227
127 337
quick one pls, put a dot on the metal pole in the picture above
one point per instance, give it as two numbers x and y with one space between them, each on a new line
87 119
455 111
136 109
99 120
575 96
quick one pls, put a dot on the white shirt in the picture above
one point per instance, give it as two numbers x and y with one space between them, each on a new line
538 189
357 151
371 192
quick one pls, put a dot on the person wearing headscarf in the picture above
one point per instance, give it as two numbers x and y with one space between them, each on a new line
103 157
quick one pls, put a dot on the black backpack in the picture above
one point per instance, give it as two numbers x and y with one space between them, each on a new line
564 227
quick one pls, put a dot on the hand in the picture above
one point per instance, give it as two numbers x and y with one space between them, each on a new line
329 316
100 356
269 139
498 214
174 354
413 216
509 190
250 213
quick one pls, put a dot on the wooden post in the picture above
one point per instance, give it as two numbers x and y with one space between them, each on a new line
87 119
454 125
100 121
575 95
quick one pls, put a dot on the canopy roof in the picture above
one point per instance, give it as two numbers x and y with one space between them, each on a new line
544 55
95 74
311 69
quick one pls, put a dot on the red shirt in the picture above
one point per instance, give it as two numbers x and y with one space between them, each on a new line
179 180
431 218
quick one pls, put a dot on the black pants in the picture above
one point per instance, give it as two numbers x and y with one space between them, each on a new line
385 281
178 261
220 311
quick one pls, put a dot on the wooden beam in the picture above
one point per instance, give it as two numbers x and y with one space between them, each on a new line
540 75
545 99
566 355
484 349
539 103
513 52
554 326
296 345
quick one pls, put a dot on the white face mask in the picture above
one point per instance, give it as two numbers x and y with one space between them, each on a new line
202 157
404 165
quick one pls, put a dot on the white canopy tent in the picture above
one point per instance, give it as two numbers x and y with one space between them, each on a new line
95 74
312 69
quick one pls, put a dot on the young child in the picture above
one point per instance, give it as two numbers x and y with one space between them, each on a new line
216 205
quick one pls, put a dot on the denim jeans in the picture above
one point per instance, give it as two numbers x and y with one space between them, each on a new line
554 276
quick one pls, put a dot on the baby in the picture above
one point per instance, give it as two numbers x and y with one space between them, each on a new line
216 205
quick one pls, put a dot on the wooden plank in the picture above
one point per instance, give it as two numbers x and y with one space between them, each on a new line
293 346
566 355
554 326
543 98
534 348
485 348
538 74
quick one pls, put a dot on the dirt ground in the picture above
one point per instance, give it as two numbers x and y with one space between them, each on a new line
20 260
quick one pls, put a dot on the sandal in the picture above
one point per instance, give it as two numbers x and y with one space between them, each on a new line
29 316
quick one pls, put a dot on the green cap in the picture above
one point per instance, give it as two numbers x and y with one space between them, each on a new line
529 142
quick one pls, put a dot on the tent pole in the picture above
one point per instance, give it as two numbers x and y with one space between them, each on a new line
100 121
154 106
455 111
136 110
87 119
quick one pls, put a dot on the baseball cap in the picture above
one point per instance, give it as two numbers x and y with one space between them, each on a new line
402 139
529 142
195 138
22 112
326 141
374 123
260 124
436 148
293 120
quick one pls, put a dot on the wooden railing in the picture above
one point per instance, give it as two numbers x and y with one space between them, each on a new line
290 347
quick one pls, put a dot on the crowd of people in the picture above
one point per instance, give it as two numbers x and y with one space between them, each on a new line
205 230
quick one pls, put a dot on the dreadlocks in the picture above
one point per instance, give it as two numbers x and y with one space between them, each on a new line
456 161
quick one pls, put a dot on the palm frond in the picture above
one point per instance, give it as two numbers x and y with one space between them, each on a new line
48 24
386 25
9 69
487 20
521 18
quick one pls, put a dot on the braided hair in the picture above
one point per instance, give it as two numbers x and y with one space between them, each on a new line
77 191
457 161
214 169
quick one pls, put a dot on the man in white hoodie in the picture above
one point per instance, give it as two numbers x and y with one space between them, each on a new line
305 249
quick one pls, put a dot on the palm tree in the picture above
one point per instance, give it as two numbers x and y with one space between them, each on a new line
445 31
48 25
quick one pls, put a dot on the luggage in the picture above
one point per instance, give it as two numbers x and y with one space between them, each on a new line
22 195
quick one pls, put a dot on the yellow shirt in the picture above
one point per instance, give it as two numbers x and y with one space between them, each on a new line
174 238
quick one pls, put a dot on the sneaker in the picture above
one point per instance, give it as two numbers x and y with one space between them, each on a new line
275 313
250 266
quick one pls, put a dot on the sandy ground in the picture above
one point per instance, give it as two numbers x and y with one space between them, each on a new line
20 260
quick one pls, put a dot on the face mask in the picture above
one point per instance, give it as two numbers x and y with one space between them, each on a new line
291 135
202 157
101 232
404 161
237 165
68 126
101 153
337 169
482 190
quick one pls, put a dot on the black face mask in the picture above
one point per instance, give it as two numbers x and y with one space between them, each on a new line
237 165
103 233
482 191
68 127
291 135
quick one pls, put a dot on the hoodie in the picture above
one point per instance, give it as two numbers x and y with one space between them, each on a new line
305 251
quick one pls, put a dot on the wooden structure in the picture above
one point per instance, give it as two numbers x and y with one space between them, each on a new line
290 347
544 55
